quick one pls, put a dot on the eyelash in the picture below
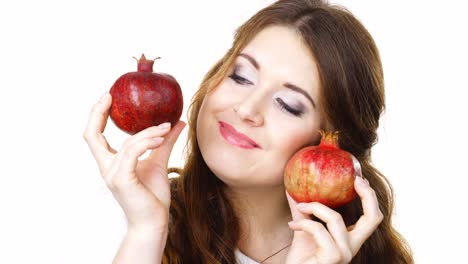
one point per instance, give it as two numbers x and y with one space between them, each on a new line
240 80
285 107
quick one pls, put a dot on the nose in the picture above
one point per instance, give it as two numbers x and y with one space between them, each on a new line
250 110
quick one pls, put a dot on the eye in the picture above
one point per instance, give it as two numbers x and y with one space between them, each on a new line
287 108
239 79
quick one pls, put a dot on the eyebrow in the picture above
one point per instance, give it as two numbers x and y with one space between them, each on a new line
287 85
251 59
301 91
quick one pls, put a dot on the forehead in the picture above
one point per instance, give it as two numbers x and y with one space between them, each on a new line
281 51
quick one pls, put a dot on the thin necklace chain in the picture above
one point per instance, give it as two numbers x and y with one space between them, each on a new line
275 253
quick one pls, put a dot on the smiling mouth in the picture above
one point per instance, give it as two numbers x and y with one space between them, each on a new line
235 138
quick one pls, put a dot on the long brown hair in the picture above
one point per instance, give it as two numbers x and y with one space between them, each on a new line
203 226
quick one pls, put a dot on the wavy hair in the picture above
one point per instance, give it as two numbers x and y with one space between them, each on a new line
204 227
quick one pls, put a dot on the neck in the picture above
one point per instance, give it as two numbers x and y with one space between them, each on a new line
263 214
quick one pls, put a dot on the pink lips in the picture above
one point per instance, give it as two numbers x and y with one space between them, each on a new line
236 138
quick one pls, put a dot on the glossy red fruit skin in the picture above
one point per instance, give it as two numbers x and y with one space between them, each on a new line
323 173
145 98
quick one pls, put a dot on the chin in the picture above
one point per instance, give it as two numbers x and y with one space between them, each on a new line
242 175
225 166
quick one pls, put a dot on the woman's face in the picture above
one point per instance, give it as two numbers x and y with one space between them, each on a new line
264 111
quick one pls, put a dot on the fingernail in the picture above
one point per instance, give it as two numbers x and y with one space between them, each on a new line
301 206
357 166
103 97
165 125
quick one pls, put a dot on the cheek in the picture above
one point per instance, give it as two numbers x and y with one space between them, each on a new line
286 145
291 138
222 97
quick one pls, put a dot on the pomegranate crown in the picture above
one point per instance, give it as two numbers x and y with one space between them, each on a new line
145 65
329 138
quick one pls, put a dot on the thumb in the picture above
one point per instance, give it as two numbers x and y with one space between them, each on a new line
161 155
296 214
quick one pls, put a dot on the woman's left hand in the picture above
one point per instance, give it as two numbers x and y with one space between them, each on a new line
314 244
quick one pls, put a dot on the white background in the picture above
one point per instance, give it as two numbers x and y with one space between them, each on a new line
58 57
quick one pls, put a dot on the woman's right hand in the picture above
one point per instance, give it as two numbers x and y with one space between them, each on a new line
141 187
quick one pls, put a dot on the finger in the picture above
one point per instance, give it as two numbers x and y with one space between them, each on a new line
95 127
103 139
371 218
162 154
335 224
296 214
150 132
129 155
322 238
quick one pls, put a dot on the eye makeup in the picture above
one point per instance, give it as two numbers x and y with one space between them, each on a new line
288 100
239 76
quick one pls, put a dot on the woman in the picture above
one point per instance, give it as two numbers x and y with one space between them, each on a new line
295 67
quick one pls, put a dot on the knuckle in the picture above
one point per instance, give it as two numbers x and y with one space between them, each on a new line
302 223
346 256
127 142
375 219
115 184
85 136
148 142
379 216
110 183
88 136
316 226
336 218
373 193
128 152
337 258
120 184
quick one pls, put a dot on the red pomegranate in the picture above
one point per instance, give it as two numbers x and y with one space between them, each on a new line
145 98
323 173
